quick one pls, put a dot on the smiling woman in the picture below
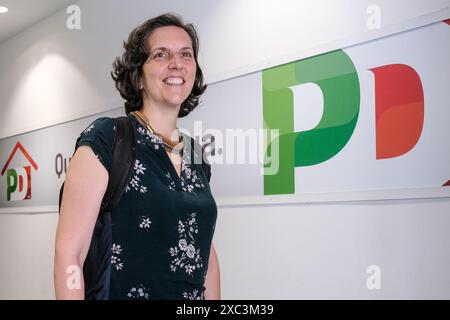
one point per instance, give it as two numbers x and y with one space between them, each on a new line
140 50
169 72
156 243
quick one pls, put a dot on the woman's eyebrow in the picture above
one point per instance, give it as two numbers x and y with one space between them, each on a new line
160 48
165 49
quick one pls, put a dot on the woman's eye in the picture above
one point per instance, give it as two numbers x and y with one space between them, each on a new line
187 54
159 55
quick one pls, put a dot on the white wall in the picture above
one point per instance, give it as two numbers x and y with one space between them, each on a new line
51 74
26 263
317 251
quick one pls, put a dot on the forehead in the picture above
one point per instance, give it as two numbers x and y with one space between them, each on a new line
169 37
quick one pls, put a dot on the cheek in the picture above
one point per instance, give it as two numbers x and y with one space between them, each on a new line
193 71
152 75
151 72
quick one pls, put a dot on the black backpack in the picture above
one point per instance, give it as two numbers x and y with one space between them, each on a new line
98 259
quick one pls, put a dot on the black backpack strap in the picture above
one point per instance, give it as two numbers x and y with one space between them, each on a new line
196 148
206 167
123 159
61 191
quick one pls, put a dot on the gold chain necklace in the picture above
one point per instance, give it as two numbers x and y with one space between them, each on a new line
176 148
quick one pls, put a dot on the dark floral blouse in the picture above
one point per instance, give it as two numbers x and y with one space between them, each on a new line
163 226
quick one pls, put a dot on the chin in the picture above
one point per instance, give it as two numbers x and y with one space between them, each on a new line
176 101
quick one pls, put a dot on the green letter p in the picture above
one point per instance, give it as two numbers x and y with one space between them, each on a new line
335 75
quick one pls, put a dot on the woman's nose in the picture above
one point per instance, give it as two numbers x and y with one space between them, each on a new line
175 62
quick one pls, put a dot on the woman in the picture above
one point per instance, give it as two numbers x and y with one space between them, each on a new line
161 231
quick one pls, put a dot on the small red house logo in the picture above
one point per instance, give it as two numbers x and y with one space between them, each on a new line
18 180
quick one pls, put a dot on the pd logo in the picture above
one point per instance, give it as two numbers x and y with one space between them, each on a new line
399 107
18 180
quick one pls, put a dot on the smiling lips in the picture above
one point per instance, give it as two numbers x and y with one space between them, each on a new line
174 81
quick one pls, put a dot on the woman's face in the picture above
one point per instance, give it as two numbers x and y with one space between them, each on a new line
169 72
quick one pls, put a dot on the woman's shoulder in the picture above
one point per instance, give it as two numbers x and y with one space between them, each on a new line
99 136
102 128
99 125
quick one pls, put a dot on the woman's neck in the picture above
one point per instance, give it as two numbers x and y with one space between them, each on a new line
163 120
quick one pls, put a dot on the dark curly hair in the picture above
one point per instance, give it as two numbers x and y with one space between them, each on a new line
127 69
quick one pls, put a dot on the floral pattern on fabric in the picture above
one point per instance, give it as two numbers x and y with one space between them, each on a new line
152 138
185 255
135 182
189 179
194 295
115 259
138 293
171 185
89 128
145 223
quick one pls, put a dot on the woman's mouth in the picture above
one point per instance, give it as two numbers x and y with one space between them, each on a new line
174 81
